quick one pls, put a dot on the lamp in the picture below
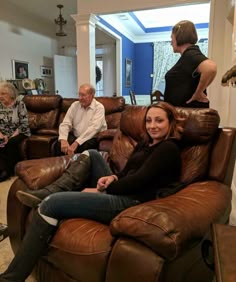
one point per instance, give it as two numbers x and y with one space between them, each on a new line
60 21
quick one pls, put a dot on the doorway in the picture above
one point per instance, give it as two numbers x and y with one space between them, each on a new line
108 58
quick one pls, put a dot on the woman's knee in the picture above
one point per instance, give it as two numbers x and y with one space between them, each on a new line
93 153
47 205
53 204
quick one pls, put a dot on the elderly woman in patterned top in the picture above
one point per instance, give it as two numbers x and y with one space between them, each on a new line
14 127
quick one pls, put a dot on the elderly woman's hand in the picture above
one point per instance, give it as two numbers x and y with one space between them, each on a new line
3 140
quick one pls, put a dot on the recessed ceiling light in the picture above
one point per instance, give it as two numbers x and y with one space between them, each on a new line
123 17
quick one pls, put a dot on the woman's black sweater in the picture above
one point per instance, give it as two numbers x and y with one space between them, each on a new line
149 170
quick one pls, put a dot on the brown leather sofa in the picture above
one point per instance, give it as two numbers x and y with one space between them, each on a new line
46 113
155 241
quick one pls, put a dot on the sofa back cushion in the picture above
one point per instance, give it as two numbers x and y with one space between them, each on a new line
200 127
114 106
65 104
43 111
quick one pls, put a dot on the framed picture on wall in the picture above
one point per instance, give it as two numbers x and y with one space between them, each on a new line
46 71
128 72
20 69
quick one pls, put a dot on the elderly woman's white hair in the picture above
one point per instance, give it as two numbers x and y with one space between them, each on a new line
9 88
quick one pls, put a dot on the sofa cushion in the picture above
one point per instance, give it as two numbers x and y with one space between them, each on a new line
65 104
201 125
161 224
43 111
80 243
195 160
35 175
114 105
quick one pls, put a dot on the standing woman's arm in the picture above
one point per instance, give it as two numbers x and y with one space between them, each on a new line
207 70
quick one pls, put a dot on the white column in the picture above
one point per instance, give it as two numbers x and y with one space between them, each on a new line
232 116
85 40
232 220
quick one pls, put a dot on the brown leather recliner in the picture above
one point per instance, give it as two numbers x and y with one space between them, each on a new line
43 113
158 240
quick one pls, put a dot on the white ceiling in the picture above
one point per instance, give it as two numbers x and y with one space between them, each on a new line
47 9
198 13
124 22
150 25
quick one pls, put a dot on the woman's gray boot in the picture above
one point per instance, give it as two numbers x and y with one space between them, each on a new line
73 179
33 246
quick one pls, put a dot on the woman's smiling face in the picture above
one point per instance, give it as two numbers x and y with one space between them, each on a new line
157 124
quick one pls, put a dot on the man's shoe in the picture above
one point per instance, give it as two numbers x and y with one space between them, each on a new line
2 279
32 198
3 175
3 231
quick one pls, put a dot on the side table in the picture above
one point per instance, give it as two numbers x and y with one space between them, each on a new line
224 244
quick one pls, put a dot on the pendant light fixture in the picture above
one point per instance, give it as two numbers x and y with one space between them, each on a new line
60 21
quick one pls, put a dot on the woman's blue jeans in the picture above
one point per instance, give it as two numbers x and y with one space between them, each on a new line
96 206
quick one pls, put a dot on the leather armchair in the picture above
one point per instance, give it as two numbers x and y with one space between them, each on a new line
43 113
158 240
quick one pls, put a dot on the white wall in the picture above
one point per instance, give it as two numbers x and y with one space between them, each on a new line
109 63
27 39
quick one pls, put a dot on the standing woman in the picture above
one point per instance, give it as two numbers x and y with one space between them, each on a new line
153 166
14 128
187 80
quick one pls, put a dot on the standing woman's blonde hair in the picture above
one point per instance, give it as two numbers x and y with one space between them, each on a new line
185 33
9 88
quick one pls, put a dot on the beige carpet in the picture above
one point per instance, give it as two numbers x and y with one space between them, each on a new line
6 253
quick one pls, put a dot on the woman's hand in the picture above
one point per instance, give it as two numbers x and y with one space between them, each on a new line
105 181
4 141
15 133
91 190
207 70
198 97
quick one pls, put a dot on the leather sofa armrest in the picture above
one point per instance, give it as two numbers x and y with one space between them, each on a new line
48 131
23 149
106 134
38 173
176 223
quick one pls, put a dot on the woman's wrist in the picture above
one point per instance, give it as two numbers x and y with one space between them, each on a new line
114 177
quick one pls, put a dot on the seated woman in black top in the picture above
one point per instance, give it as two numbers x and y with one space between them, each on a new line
187 80
153 165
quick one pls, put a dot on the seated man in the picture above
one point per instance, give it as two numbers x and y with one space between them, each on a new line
83 121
